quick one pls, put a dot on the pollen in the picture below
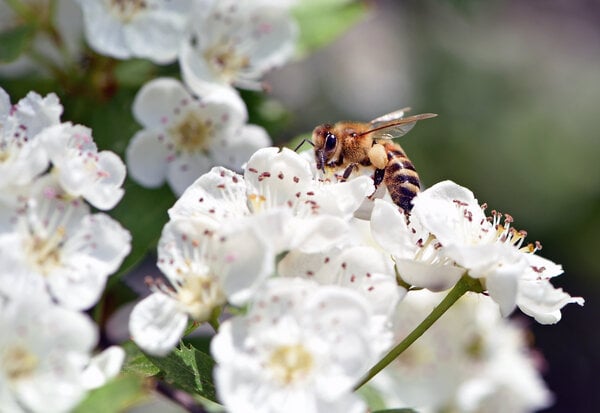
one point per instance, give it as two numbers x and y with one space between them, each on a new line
45 252
191 133
199 296
290 363
226 60
126 10
18 362
256 202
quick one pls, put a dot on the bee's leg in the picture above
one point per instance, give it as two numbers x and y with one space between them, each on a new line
348 171
378 177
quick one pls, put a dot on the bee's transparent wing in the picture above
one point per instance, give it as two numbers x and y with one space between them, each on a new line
388 117
390 127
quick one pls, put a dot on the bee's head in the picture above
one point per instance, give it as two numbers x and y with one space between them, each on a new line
326 145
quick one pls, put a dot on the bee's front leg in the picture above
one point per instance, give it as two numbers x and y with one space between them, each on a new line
348 171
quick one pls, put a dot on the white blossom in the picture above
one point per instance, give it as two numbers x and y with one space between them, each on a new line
206 266
471 360
22 157
58 239
416 252
44 350
360 268
184 136
300 348
151 29
236 42
280 194
80 168
103 367
492 250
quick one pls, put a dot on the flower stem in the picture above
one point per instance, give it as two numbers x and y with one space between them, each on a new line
465 284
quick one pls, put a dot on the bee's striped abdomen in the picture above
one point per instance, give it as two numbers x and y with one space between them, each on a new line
400 177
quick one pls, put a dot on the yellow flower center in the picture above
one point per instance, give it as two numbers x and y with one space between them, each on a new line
225 60
191 134
45 252
126 10
290 363
199 296
18 362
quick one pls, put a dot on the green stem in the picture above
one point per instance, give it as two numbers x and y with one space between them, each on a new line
465 284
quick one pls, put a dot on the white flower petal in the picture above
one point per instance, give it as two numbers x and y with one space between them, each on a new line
156 324
234 150
106 191
185 170
103 367
219 193
390 230
147 159
542 301
434 277
247 260
154 101
451 213
277 175
157 36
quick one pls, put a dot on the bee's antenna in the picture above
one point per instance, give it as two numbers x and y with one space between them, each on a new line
302 143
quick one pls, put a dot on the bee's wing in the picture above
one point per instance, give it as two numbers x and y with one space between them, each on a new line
395 115
395 127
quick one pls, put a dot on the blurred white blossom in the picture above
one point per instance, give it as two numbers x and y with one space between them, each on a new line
206 267
22 156
184 136
233 42
58 239
81 169
123 29
300 348
472 360
44 351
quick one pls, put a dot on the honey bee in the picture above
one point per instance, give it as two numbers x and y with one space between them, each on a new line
348 145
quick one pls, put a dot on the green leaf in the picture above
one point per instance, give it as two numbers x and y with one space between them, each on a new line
13 42
134 72
116 396
189 370
136 361
322 21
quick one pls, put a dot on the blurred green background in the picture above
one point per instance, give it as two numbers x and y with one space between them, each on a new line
517 88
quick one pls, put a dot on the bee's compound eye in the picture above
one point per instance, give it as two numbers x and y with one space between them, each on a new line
330 141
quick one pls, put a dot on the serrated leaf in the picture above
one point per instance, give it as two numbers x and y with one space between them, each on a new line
13 42
322 21
116 396
189 370
136 361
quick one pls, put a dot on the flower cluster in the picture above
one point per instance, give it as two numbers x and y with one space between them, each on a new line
219 44
314 281
320 291
472 361
55 254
